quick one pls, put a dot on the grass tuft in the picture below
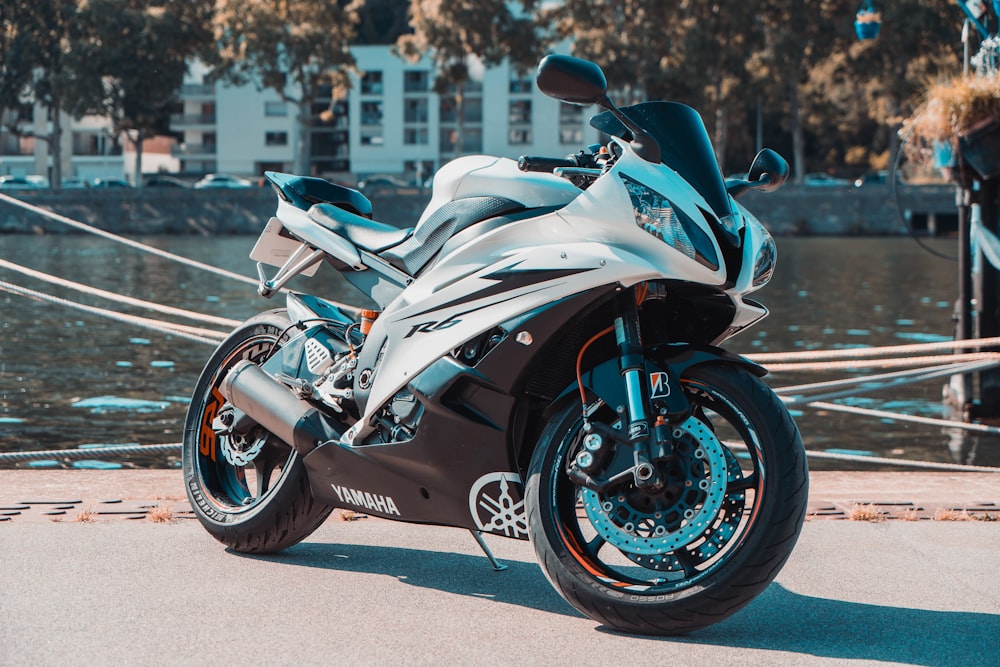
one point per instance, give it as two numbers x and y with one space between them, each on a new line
868 513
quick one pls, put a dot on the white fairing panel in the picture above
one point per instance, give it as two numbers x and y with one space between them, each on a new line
487 176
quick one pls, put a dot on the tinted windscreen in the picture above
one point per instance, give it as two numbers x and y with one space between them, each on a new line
684 145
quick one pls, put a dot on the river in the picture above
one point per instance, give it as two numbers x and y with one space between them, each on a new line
69 378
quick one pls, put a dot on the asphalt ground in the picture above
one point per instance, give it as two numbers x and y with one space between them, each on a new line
911 587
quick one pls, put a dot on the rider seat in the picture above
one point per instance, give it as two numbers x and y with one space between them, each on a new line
412 248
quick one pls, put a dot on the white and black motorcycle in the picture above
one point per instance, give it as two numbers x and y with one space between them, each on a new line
542 365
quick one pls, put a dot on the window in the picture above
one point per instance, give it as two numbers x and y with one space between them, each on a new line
415 110
371 83
371 136
520 136
371 113
520 112
415 136
520 82
416 81
275 138
570 124
472 140
272 109
325 144
568 136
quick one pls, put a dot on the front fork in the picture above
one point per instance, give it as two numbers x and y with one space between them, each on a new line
648 445
633 370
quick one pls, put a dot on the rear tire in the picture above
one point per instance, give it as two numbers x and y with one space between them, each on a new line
252 494
682 559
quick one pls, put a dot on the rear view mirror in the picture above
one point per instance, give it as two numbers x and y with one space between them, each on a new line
768 171
572 80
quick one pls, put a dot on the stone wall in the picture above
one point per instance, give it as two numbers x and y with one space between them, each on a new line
792 210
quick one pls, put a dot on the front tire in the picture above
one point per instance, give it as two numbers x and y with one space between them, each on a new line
694 552
250 492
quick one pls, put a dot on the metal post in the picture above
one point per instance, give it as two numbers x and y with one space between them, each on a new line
988 299
958 393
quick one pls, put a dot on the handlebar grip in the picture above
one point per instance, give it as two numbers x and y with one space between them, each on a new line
547 164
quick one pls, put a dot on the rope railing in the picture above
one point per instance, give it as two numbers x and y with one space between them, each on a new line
864 352
179 330
119 298
929 366
90 229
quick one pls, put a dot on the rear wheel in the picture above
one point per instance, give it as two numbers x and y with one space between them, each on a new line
249 489
694 550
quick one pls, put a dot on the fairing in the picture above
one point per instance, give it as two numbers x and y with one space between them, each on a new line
684 146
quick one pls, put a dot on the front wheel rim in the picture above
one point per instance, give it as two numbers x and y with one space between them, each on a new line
591 528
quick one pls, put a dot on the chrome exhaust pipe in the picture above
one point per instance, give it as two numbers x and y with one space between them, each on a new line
276 407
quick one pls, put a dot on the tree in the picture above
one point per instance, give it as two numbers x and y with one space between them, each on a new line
454 32
681 50
40 56
920 41
634 42
294 47
140 49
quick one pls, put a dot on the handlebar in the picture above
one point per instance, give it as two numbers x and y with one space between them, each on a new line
545 164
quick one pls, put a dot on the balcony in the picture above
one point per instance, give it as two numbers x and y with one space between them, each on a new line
188 120
197 90
193 150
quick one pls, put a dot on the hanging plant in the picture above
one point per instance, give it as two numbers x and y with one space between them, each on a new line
959 118
867 23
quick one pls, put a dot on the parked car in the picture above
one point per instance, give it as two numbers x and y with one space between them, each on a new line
372 184
109 183
74 183
223 181
825 180
23 183
165 181
871 177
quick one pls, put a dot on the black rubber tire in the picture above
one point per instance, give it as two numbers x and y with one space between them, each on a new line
746 566
278 516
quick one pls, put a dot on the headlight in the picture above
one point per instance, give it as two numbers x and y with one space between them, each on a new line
766 257
656 215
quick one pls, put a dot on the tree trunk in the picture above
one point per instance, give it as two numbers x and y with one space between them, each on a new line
798 134
55 146
459 118
138 160
303 152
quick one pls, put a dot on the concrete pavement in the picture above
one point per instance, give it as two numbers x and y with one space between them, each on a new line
372 592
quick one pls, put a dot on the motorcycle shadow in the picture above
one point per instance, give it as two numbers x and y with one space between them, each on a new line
778 620
522 583
782 620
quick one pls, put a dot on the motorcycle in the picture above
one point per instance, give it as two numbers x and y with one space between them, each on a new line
543 364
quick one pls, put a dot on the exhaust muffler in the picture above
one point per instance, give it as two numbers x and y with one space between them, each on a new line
276 407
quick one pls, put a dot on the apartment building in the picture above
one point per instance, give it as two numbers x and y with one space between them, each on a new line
392 123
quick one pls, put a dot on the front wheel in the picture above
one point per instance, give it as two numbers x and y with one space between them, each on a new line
697 548
249 489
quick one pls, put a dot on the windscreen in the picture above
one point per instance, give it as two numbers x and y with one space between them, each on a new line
684 145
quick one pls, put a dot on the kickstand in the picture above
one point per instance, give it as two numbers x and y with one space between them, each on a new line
497 565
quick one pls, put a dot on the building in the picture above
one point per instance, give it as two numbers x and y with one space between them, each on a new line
392 123
89 150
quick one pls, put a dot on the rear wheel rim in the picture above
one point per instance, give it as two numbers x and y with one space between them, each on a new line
236 474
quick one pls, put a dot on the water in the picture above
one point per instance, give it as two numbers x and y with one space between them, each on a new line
68 378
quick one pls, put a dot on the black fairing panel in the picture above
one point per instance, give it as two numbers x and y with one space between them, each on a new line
462 452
